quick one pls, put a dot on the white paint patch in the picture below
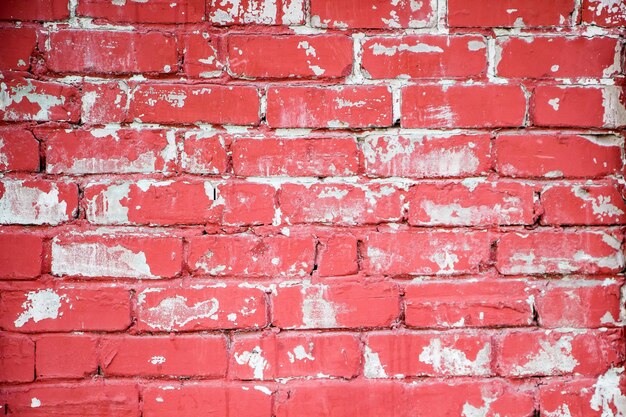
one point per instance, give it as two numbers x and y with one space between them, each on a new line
554 103
300 354
264 390
317 311
451 361
173 312
254 360
608 396
372 367
35 402
483 411
22 204
379 49
27 92
107 207
614 110
476 45
157 360
40 305
550 359
97 260
601 205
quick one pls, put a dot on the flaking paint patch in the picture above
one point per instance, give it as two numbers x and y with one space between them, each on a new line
173 312
96 260
108 209
448 360
21 204
608 396
472 411
253 359
372 367
613 104
380 49
27 92
300 354
317 311
40 305
601 205
551 358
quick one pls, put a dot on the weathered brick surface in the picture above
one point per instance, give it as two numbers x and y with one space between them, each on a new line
292 208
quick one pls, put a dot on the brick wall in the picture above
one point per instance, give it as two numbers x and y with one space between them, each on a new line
312 208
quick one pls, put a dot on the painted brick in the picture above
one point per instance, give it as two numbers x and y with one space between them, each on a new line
266 56
438 252
37 202
289 355
188 104
111 52
340 204
337 254
425 56
488 105
17 358
370 14
560 252
602 13
333 107
153 356
471 203
18 44
181 11
250 12
584 204
116 255
470 304
19 150
246 254
558 57
202 56
65 309
105 102
324 157
20 255
578 106
204 152
201 308
207 398
108 150
25 99
426 156
559 353
557 155
39 10
336 304
510 13
67 356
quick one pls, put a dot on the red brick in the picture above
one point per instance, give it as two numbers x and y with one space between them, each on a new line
255 12
560 252
191 104
425 56
471 203
580 304
111 52
336 304
250 255
374 14
289 355
582 203
26 99
337 254
65 309
192 356
20 255
202 58
316 157
18 44
557 57
332 107
105 102
39 10
538 353
95 397
603 13
347 204
394 398
171 309
17 358
578 106
510 13
207 399
468 304
593 397
429 252
247 203
19 150
426 156
406 354
267 56
116 255
101 151
204 152
160 11
37 202
487 105
557 155
67 356
152 202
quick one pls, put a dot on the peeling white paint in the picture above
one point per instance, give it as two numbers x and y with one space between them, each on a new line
300 354
23 204
550 358
35 402
608 396
254 359
451 361
373 368
317 311
157 360
380 49
614 110
173 312
40 305
15 94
